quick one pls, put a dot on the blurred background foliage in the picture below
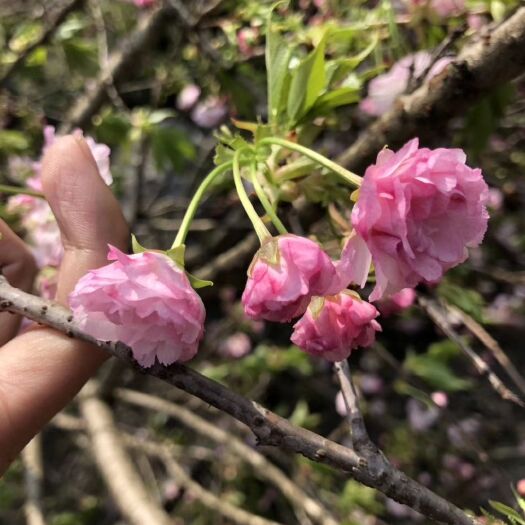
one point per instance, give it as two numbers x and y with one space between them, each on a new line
424 402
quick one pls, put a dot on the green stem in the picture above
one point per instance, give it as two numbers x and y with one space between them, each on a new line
260 229
15 190
267 205
195 201
348 176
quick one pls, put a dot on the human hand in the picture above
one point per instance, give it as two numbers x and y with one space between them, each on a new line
41 370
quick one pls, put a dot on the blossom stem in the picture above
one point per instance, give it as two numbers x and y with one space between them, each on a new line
15 190
259 226
348 176
195 201
267 205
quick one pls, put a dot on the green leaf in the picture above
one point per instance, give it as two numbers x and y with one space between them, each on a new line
334 99
177 254
136 246
198 283
277 56
308 80
171 147
12 141
507 511
435 373
25 34
470 301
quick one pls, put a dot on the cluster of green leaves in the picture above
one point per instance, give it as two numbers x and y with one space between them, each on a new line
513 516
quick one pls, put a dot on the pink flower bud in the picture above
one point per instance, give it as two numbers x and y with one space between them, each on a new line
418 211
144 300
42 232
333 326
188 96
284 275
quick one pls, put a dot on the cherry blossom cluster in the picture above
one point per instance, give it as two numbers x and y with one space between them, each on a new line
418 211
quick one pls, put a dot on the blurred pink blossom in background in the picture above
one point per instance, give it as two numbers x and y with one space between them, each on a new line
384 89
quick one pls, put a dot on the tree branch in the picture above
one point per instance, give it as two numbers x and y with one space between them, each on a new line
481 66
131 496
270 429
62 14
439 317
34 476
360 439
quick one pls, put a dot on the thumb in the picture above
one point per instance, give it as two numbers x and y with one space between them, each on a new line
88 215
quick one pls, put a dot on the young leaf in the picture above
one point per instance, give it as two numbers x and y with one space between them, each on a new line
198 283
277 56
308 80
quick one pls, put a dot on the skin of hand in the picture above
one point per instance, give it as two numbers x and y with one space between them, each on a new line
41 370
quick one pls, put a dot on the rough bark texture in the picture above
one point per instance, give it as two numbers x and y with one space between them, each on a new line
483 65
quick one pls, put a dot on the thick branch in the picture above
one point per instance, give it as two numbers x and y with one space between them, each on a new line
374 470
62 14
481 66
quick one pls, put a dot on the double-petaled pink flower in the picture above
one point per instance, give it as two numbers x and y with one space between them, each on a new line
418 211
333 326
284 275
144 300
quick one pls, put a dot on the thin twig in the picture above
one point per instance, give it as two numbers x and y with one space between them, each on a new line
360 437
491 344
103 55
262 466
136 504
34 475
438 315
163 450
373 470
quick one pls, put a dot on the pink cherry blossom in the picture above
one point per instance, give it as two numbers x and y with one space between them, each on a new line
236 345
384 89
397 302
284 275
144 3
42 232
418 211
100 152
333 326
188 96
447 8
144 300
210 112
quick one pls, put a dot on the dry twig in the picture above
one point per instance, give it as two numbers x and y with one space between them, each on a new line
34 475
438 315
131 496
262 466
